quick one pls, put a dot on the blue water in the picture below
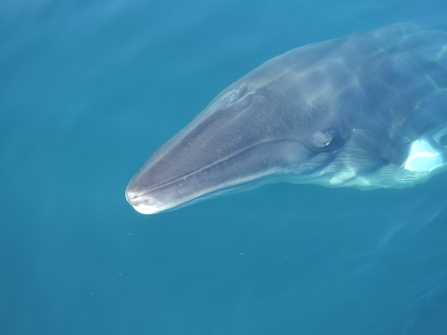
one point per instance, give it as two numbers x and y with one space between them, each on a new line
89 89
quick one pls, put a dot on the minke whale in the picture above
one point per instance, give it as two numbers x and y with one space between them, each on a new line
368 110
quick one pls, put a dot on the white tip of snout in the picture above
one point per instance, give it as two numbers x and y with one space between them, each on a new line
144 204
144 209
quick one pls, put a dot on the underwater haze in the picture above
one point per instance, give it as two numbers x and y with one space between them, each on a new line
90 89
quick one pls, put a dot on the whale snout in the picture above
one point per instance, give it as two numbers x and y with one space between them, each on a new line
142 203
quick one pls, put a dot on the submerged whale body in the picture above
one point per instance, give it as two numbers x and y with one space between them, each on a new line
367 110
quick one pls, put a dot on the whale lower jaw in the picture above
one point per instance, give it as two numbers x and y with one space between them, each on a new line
425 159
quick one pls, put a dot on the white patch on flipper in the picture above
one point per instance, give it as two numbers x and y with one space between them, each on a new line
423 157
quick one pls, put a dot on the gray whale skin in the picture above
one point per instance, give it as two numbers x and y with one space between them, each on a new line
367 110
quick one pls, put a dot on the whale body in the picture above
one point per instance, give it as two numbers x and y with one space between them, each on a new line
367 110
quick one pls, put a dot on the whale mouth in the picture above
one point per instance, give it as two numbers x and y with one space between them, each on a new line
248 168
150 205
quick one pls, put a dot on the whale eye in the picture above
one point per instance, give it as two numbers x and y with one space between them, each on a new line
322 139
